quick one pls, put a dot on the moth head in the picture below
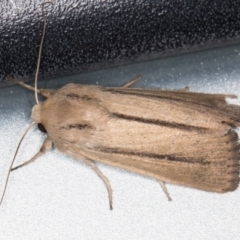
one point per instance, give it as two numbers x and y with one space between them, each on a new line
36 113
36 116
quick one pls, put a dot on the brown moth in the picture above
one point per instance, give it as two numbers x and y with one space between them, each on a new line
180 137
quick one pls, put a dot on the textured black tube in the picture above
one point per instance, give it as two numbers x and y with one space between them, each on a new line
86 35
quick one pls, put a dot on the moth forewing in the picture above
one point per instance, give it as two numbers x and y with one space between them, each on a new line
184 138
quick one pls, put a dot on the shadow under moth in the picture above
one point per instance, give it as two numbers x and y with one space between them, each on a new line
179 137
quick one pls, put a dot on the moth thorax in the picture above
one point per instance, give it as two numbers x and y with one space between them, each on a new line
36 113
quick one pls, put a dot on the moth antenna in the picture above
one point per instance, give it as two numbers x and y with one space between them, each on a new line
40 48
19 144
36 95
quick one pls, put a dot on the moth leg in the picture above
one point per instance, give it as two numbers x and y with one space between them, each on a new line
131 82
101 175
164 188
44 92
47 145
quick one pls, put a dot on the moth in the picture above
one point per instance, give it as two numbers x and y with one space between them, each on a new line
179 137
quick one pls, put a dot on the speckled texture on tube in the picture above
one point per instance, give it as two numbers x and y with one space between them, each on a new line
85 35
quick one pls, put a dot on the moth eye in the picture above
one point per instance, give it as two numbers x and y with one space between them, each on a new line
41 128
